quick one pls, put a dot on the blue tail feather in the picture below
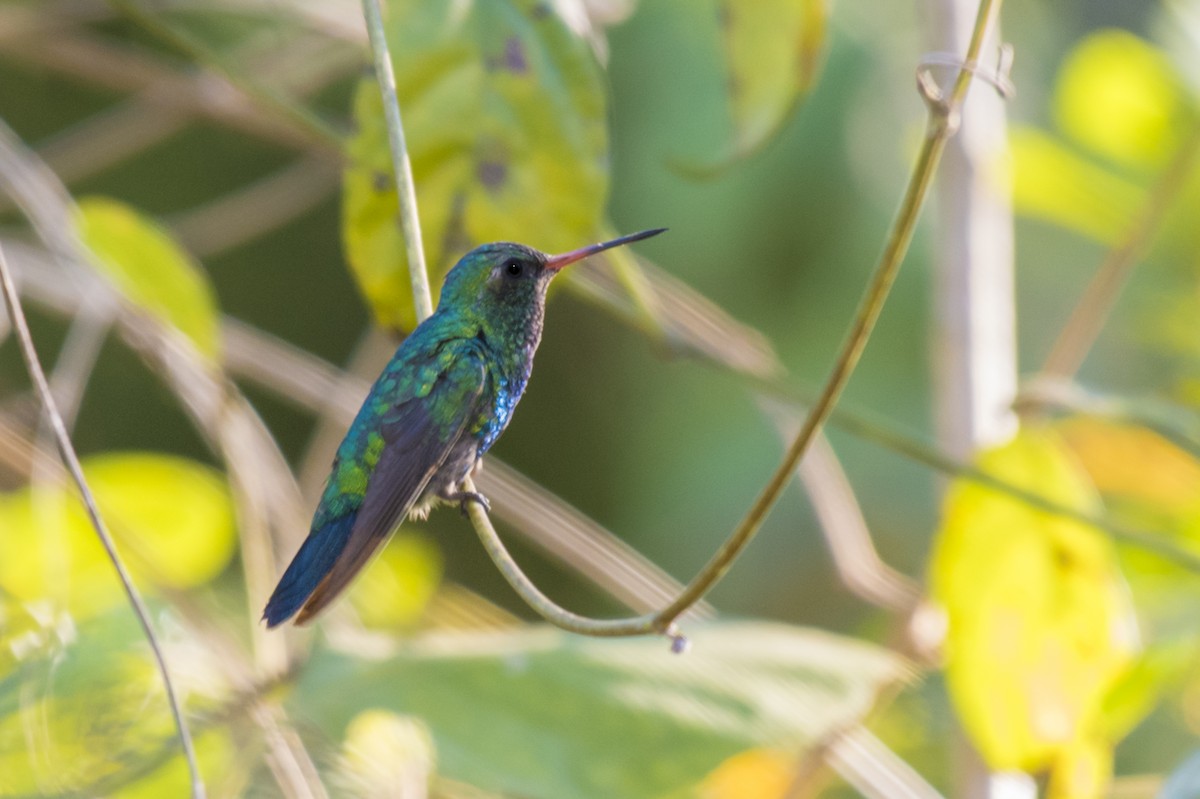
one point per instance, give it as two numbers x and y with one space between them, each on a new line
310 566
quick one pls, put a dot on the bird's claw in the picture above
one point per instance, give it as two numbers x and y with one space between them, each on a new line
463 497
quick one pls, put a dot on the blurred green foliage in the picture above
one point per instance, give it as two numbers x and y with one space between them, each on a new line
629 718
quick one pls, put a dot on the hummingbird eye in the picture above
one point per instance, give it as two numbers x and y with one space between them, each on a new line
513 267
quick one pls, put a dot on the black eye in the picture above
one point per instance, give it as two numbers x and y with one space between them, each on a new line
513 267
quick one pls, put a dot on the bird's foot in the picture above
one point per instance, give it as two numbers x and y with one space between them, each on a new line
463 497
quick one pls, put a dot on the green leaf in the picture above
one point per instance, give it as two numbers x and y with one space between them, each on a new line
172 520
1040 627
773 52
545 715
150 269
1053 183
1163 667
505 121
1119 99
90 718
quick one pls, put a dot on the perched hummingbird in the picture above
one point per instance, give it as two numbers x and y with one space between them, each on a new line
440 403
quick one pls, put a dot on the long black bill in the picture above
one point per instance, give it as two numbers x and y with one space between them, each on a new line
557 262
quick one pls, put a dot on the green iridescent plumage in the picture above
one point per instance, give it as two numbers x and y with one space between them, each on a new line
440 403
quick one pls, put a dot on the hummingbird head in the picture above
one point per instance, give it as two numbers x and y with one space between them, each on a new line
506 280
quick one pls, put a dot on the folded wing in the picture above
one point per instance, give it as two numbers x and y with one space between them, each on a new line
420 433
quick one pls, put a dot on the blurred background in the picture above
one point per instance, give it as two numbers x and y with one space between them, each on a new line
135 102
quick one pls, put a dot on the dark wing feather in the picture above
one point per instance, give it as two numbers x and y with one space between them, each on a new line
310 565
418 444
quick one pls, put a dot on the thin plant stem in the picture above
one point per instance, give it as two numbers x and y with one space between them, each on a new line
942 122
406 191
17 316
1087 319
546 607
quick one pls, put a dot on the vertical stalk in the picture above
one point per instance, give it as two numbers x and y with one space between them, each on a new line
406 190
974 345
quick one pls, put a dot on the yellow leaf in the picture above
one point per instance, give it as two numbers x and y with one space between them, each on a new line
773 51
150 269
217 756
49 551
754 774
1082 770
1120 97
505 121
1134 462
1040 627
386 754
1052 183
172 520
395 588
176 514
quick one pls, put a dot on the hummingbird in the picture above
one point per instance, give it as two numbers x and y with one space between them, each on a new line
440 403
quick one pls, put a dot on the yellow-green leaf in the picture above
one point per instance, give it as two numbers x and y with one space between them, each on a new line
215 752
50 551
396 587
1081 770
1052 183
1040 626
176 514
505 120
1163 667
150 269
89 717
1120 97
172 520
774 50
